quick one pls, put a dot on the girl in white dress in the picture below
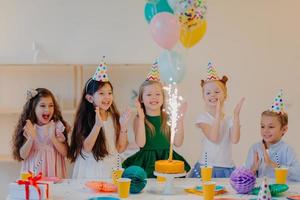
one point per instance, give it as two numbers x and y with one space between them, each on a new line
99 132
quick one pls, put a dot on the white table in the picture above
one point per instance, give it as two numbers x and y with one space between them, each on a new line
75 190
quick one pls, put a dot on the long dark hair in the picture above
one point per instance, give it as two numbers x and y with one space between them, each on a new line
29 113
85 120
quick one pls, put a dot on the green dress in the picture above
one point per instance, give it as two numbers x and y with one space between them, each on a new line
157 147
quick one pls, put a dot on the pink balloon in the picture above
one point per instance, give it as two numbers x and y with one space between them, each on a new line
165 28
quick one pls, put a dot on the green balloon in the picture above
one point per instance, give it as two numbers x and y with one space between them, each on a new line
153 7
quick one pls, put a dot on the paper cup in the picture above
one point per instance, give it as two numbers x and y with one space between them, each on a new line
281 175
116 174
206 173
208 190
123 187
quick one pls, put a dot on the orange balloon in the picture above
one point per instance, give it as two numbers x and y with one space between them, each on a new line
192 33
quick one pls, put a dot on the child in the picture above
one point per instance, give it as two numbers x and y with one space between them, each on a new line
40 138
152 133
99 132
272 152
219 130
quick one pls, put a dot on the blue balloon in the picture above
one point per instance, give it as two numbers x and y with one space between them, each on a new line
153 7
171 67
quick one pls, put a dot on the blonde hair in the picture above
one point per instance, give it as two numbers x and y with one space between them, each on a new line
164 126
282 116
222 82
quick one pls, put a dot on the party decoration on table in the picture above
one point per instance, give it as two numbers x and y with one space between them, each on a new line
164 29
198 190
205 159
171 67
37 166
264 193
101 72
153 75
275 189
294 197
101 186
138 178
104 198
277 160
31 188
278 105
154 7
242 180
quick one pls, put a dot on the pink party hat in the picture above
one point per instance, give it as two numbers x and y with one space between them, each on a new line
211 73
153 75
101 72
277 105
264 193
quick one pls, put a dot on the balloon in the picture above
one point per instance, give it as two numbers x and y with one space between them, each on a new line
181 7
191 35
164 28
154 7
171 67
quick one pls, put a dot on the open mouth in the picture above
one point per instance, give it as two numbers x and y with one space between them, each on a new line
46 117
214 100
105 103
153 102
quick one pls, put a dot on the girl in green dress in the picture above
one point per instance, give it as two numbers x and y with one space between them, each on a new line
152 134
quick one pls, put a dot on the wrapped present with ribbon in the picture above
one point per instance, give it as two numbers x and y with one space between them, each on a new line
30 188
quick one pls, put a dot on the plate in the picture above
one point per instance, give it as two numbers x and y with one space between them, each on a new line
295 197
104 198
218 188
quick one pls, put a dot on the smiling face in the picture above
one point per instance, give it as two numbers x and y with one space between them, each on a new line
212 91
271 129
44 110
103 97
152 98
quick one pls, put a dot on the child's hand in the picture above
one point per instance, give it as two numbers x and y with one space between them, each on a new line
219 108
238 107
268 160
255 165
60 137
139 109
182 110
98 120
124 119
30 129
51 129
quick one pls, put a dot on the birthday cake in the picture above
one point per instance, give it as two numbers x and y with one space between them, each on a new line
169 166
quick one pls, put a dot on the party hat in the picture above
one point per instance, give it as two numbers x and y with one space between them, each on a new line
211 73
153 75
277 105
101 72
264 193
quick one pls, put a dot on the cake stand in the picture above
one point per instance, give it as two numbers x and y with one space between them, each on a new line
169 188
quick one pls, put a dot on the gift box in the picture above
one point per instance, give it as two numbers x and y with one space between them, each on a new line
31 188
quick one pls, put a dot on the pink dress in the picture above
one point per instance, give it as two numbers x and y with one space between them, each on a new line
43 156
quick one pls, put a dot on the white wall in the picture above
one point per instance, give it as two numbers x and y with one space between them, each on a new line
256 43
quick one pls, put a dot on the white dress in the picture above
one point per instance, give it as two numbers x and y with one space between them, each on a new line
89 168
218 154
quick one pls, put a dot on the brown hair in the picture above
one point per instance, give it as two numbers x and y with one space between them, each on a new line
164 126
222 82
29 113
85 120
282 116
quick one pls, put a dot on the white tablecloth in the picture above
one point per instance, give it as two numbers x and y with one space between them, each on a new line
75 189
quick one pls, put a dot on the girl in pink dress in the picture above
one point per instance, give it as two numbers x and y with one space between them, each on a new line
40 137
